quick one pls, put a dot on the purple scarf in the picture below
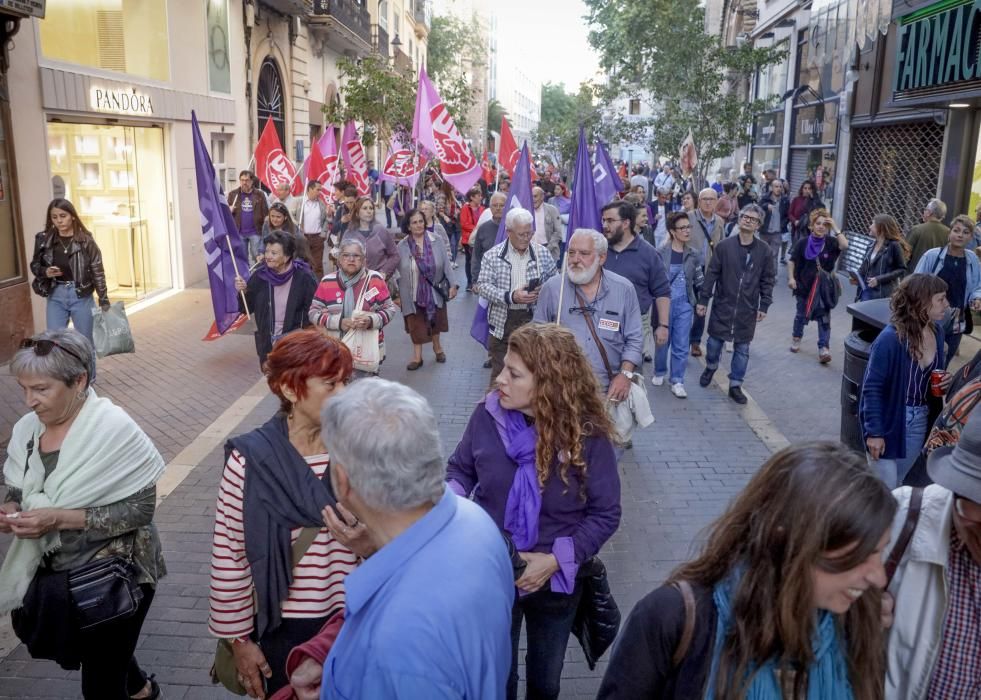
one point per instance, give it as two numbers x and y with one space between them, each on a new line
278 278
815 246
525 498
427 266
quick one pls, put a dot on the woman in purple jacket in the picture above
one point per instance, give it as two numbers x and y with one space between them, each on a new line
538 456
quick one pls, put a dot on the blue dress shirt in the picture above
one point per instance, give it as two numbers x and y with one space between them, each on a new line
428 616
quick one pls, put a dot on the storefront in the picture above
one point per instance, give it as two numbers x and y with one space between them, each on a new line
103 107
117 178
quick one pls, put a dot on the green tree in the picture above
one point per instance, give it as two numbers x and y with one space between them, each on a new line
495 112
379 96
452 56
659 49
563 113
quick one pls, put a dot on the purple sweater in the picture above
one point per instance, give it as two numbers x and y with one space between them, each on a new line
479 462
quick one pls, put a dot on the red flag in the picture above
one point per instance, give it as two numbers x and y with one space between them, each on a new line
486 169
213 334
508 153
271 164
403 165
354 159
433 127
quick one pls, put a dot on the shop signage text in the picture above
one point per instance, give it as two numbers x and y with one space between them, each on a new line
769 129
816 124
938 48
120 101
24 8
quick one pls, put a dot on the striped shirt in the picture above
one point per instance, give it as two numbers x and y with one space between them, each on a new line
318 579
919 382
957 673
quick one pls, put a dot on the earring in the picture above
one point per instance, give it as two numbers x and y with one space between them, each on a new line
81 395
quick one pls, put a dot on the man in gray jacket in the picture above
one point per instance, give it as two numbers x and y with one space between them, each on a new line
740 277
485 237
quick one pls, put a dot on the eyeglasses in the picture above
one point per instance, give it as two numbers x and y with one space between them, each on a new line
685 227
43 346
612 221
751 219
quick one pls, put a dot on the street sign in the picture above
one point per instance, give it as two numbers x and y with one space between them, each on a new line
23 8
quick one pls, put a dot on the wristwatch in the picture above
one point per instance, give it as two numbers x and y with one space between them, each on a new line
627 373
664 325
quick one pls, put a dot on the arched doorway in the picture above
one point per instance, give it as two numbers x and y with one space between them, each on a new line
270 100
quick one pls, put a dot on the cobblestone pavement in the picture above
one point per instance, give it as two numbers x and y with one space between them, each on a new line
679 475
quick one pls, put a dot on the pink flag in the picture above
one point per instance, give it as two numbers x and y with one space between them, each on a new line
354 159
403 166
326 164
433 127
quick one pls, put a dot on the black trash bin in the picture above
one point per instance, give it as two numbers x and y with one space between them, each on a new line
858 344
868 320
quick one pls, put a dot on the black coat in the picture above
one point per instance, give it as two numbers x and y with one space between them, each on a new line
86 265
641 665
741 287
888 269
782 208
259 295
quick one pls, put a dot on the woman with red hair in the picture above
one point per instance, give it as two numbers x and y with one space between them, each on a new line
276 572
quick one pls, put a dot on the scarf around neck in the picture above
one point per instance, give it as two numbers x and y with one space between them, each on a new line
815 246
524 502
427 265
104 458
279 278
827 677
280 492
348 284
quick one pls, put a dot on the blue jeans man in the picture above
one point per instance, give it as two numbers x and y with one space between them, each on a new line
678 337
740 359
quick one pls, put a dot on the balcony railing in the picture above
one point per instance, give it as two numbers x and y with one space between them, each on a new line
348 17
379 40
419 14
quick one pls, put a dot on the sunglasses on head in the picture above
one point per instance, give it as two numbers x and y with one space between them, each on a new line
43 346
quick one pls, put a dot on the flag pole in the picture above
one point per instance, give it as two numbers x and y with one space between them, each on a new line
565 263
231 253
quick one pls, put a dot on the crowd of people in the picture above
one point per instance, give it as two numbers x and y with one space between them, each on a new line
353 557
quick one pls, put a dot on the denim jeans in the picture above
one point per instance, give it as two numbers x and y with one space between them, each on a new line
740 359
64 304
255 242
894 471
678 341
548 622
824 324
454 237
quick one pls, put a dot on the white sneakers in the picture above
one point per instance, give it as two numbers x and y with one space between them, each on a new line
657 381
679 390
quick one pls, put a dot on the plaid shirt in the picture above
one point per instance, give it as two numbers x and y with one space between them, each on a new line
494 283
957 674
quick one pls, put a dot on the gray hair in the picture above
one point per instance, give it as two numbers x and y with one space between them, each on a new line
753 209
59 363
348 242
426 203
707 190
600 244
663 190
517 217
498 195
536 188
386 437
937 208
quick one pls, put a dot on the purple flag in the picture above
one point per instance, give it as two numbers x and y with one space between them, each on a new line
218 228
518 196
585 209
608 183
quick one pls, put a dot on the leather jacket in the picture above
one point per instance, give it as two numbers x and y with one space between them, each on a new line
86 265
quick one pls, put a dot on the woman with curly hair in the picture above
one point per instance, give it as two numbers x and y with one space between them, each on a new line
893 407
538 456
784 601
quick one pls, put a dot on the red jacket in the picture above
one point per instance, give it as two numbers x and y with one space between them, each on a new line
468 222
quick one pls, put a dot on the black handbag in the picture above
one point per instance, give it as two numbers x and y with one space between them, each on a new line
597 618
104 590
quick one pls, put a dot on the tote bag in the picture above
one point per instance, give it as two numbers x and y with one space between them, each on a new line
363 344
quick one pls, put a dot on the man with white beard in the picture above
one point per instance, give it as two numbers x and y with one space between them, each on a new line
603 298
